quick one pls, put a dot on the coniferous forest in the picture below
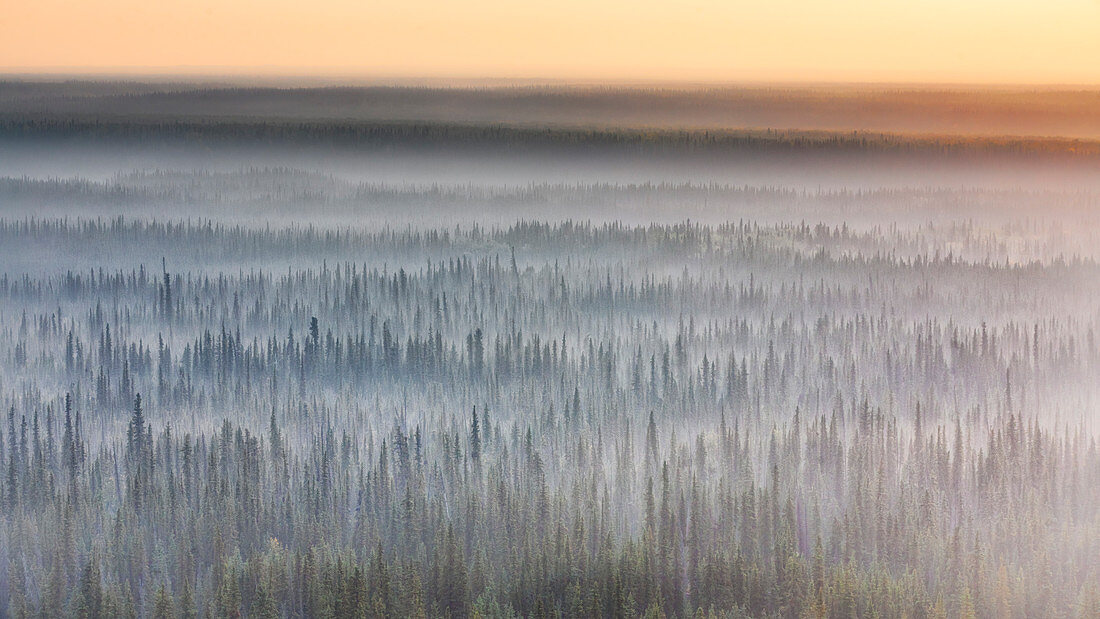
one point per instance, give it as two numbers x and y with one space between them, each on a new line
253 375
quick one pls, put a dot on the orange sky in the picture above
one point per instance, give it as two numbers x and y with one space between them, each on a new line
1032 41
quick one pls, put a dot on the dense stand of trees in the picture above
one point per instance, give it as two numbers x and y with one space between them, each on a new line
547 420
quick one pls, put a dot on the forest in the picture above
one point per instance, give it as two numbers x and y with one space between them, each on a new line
273 391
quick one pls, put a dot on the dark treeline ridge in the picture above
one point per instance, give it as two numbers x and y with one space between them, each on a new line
474 137
1068 112
570 419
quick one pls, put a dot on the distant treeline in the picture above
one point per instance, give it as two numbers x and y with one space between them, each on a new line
283 183
293 196
496 137
892 109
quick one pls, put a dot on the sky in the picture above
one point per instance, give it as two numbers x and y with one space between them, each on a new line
942 41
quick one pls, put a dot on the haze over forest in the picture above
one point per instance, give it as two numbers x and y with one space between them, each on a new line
548 350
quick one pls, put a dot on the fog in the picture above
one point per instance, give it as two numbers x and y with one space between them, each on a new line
504 352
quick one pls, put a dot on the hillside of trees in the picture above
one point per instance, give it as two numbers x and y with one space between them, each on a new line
545 419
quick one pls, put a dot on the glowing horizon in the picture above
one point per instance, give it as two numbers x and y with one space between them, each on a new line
938 41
